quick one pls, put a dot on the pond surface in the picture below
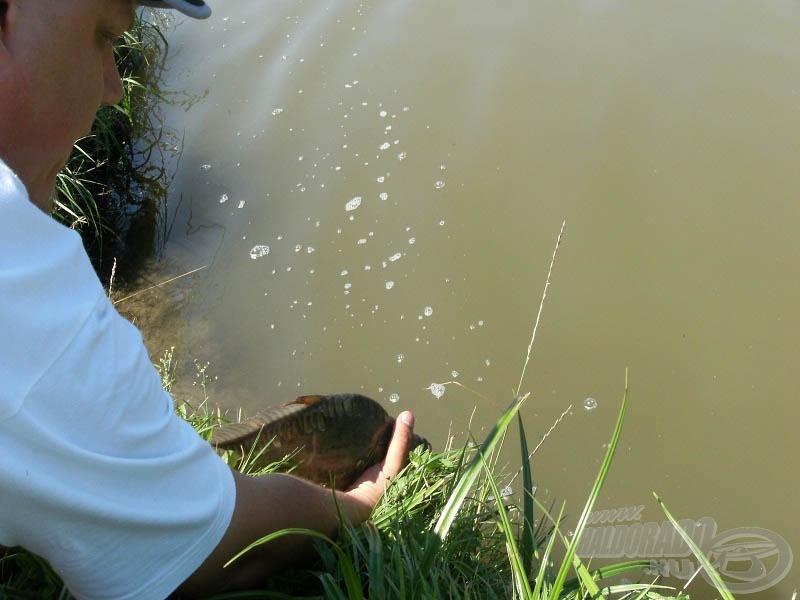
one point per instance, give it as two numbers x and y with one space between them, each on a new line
376 189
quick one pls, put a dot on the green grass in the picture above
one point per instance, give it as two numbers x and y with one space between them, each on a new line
112 189
440 532
443 530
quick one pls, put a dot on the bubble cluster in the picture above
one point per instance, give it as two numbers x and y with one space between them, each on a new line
353 203
437 389
258 251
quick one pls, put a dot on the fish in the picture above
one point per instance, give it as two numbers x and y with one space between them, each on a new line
328 439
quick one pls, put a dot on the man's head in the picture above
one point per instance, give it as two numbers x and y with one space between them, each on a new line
56 68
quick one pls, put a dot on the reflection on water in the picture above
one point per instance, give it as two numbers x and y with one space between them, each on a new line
377 187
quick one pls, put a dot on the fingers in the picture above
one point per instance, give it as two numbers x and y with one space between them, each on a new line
369 488
400 445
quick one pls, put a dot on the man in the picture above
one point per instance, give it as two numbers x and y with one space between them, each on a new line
97 474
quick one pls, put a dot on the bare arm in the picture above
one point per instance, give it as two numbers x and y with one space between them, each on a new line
269 503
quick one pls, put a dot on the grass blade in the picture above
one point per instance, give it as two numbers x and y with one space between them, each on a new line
469 477
609 571
558 584
542 589
527 541
518 570
376 560
351 579
709 568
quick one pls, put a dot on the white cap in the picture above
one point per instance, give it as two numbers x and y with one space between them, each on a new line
194 8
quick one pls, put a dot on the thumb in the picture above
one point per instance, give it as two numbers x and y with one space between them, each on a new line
400 444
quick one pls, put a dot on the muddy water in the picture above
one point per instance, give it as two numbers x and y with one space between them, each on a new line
376 189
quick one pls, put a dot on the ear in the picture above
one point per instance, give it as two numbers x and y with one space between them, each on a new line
9 14
5 21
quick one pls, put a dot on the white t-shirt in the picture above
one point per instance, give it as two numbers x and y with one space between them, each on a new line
97 473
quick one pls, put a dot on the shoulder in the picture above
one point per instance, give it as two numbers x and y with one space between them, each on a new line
47 289
93 446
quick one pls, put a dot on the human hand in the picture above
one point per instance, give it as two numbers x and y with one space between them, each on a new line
368 489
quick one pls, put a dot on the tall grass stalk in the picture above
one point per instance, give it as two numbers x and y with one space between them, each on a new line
706 564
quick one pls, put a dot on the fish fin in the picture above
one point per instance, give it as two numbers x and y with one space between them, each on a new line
307 400
234 433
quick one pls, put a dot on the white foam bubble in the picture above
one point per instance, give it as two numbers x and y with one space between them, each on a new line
437 389
353 203
258 251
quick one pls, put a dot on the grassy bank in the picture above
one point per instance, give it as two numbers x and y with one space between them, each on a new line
113 188
444 529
